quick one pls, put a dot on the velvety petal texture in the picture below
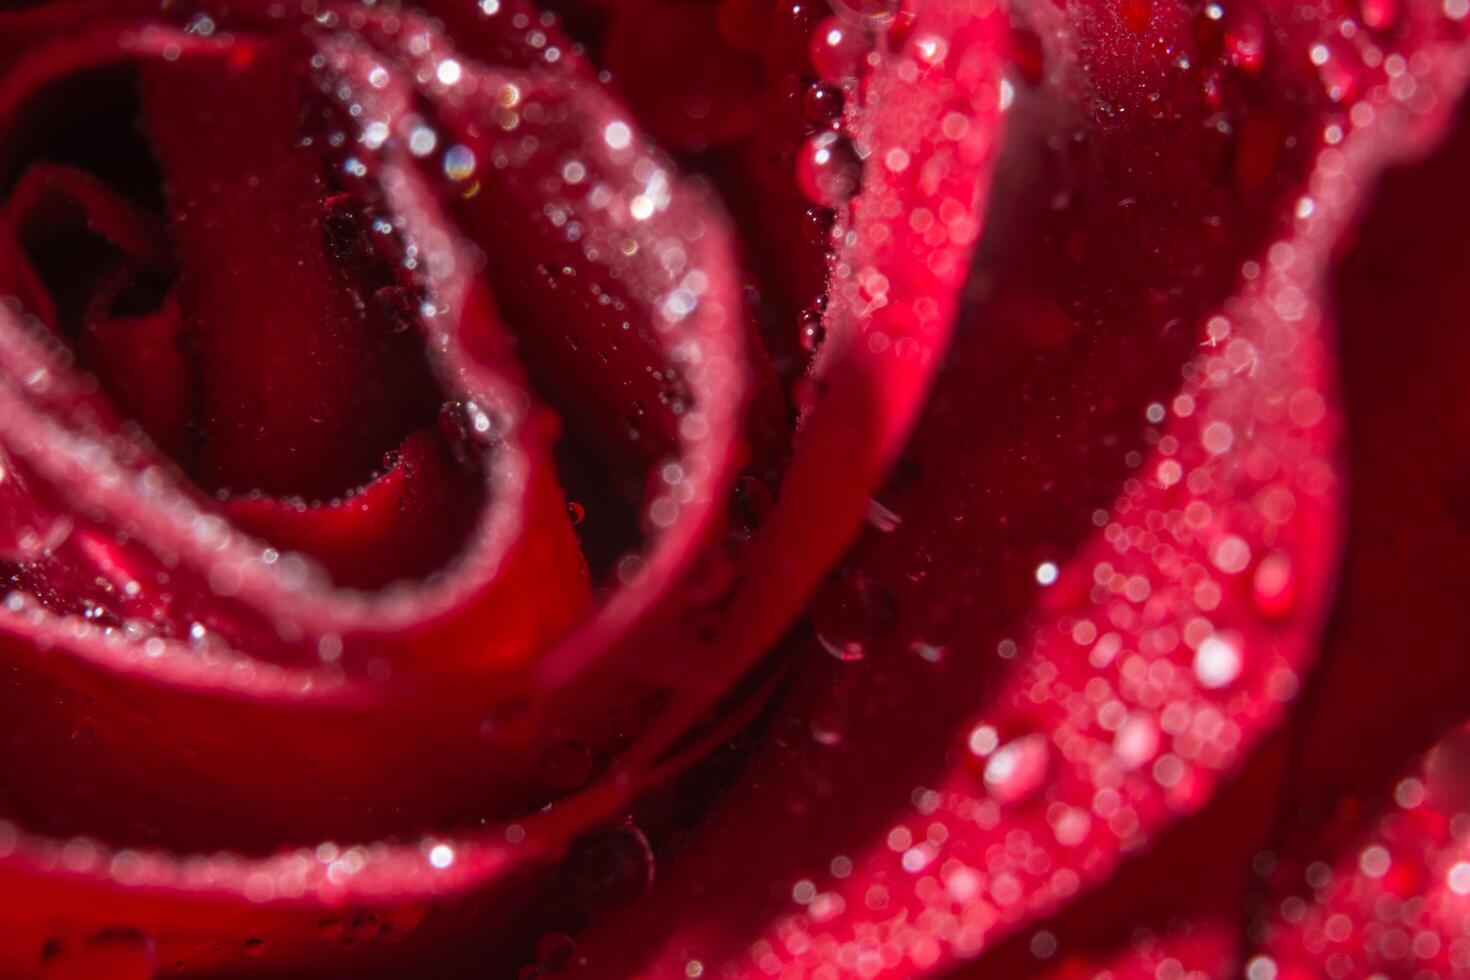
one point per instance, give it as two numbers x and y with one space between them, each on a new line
733 488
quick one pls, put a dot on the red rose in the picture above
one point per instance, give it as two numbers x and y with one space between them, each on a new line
432 516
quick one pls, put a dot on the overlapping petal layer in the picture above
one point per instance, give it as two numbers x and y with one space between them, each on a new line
397 493
1104 565
240 757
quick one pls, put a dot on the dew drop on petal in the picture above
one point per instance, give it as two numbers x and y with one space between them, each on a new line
847 612
1273 586
421 141
812 333
828 170
1217 662
1261 968
983 740
1218 437
459 162
448 72
1018 769
617 135
1245 39
1136 741
1231 554
441 856
822 103
1459 878
610 867
836 49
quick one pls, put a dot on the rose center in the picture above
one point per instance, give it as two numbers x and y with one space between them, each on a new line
199 234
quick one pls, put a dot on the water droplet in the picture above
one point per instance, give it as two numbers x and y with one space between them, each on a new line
836 49
610 867
1018 769
448 72
441 856
1379 14
866 11
421 141
812 332
617 135
1043 945
1338 72
926 651
254 947
1217 438
1217 662
1231 554
1245 39
822 103
983 740
1459 878
1273 586
459 163
827 726
847 612
576 512
1136 741
750 503
828 170
791 29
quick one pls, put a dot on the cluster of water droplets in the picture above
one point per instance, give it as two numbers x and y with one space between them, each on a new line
664 258
1181 628
840 45
611 199
1395 902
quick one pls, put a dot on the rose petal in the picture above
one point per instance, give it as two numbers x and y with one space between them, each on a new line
1149 651
157 619
423 735
1365 857
400 526
145 372
1394 898
687 86
879 356
302 393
